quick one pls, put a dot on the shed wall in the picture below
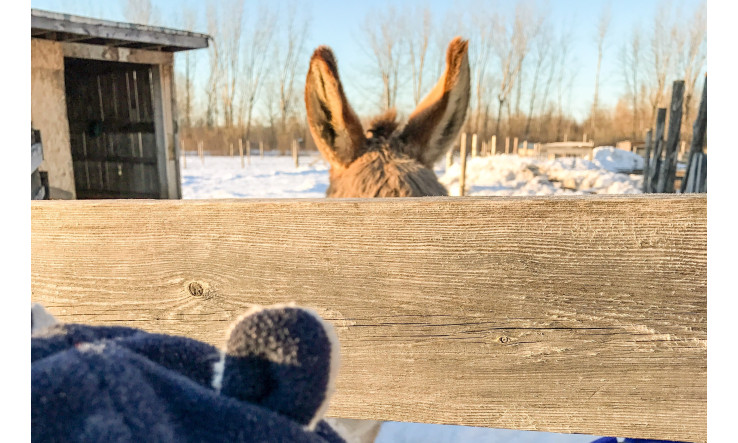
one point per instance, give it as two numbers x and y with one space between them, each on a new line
49 115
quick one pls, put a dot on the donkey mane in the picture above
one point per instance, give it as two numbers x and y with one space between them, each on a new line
383 125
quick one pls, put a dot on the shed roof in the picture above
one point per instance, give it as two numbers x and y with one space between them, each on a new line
73 28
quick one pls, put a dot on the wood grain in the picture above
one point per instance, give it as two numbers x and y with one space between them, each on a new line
666 178
582 314
698 135
114 32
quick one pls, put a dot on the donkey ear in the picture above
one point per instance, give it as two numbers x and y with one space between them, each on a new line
437 120
335 127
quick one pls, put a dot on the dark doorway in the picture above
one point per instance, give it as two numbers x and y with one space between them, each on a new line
111 129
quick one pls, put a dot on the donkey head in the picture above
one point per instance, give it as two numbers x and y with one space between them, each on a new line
385 161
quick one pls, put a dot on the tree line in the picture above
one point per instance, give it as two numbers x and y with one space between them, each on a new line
523 69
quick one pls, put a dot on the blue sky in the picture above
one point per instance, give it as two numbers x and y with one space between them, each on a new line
337 23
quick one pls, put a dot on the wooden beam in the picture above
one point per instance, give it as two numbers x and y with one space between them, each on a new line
698 135
103 157
567 314
168 166
656 161
668 167
576 314
113 125
116 54
104 29
647 163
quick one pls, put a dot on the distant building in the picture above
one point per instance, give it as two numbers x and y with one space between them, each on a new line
102 98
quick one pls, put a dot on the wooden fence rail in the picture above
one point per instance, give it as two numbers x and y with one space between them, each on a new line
578 314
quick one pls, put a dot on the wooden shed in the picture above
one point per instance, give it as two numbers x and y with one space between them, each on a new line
102 96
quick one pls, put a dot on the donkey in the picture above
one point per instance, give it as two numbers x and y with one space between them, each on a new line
385 162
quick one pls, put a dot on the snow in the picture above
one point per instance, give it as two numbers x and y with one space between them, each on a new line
270 177
275 176
617 160
513 175
393 432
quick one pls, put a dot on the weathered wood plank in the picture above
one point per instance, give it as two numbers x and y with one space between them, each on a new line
462 164
168 164
581 314
107 53
699 130
658 150
111 31
666 177
647 163
697 181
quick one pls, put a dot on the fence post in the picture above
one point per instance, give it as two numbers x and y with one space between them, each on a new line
261 149
507 145
515 148
184 153
474 145
294 153
240 150
668 169
248 152
525 147
493 145
646 162
462 173
658 146
697 180
698 134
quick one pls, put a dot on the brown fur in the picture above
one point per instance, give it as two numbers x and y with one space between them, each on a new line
384 162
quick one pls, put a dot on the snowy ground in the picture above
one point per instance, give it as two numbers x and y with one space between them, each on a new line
275 176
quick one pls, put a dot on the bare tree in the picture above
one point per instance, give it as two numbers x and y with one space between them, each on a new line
384 34
480 61
256 57
190 64
288 53
418 40
693 57
542 49
564 76
271 109
559 55
214 78
630 60
602 27
229 35
511 46
661 56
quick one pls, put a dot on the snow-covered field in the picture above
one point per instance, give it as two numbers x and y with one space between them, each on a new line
275 176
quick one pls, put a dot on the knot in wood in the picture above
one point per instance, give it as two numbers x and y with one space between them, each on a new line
195 289
504 339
